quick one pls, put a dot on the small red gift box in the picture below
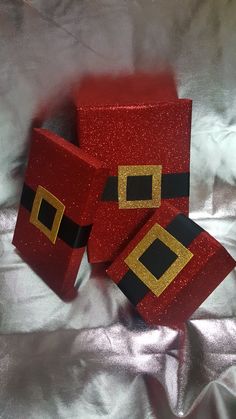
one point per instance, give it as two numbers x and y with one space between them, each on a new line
141 130
170 267
60 195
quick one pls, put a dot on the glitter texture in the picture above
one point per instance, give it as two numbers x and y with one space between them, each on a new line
75 180
209 264
41 194
132 260
125 171
126 126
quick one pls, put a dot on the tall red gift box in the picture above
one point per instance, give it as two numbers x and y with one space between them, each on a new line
170 267
59 198
140 129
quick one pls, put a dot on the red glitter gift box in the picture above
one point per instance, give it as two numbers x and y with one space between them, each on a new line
58 202
170 267
141 130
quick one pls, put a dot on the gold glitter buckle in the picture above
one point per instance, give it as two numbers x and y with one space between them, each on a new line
146 170
41 194
158 285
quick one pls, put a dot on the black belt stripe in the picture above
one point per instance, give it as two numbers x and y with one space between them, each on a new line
173 185
110 192
134 289
71 233
185 231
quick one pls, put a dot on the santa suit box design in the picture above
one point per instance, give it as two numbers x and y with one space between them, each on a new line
140 129
60 194
170 267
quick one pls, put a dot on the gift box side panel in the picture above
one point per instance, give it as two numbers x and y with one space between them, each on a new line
112 230
121 226
68 291
191 285
118 267
52 138
57 166
151 307
201 286
125 89
96 187
138 135
58 202
52 262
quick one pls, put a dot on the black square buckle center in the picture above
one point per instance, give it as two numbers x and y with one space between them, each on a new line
46 214
157 258
139 188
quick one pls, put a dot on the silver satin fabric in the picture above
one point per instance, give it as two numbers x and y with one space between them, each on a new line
94 358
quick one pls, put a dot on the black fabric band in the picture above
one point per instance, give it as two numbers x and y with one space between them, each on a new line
139 187
46 214
173 185
185 231
110 192
134 289
71 233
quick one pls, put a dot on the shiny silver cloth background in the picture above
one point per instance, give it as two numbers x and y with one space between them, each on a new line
94 358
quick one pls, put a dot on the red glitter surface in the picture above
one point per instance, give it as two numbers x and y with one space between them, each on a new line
210 264
77 180
56 264
126 89
68 172
132 125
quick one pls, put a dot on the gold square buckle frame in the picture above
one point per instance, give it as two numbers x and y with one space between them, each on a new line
146 170
41 194
158 285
